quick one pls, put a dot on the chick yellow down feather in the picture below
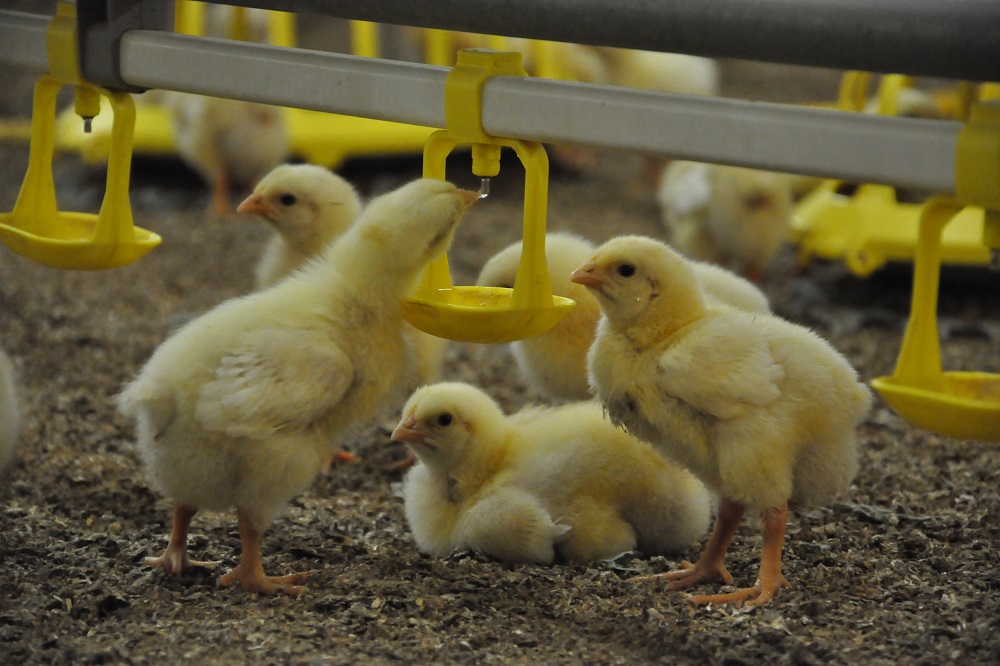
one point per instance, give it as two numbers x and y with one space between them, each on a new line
243 405
726 215
309 207
525 487
10 411
554 363
763 411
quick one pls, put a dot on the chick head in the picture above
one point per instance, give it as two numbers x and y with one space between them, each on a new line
303 201
633 276
441 421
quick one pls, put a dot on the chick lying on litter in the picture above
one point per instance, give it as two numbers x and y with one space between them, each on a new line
727 215
554 363
542 482
763 411
244 405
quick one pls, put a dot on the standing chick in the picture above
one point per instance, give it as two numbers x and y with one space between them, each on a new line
554 363
728 215
243 405
10 411
521 488
763 411
308 207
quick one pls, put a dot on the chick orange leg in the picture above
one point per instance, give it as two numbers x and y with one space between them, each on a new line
220 194
175 557
339 456
249 573
769 579
710 564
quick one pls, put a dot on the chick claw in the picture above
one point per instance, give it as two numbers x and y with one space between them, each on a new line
261 584
758 595
174 562
690 575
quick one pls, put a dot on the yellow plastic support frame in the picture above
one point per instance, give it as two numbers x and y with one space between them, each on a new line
957 404
36 229
488 314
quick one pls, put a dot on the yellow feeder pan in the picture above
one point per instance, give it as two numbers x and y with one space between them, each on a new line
492 314
957 404
488 314
865 225
37 229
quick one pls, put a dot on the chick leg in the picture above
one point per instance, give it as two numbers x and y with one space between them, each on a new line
249 573
220 194
175 558
710 564
769 579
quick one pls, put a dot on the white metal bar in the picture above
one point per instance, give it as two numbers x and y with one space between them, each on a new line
22 40
864 148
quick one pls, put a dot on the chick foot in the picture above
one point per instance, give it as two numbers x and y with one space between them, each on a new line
758 595
710 565
255 581
249 573
770 579
175 559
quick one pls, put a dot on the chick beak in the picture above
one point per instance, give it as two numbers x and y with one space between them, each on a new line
588 276
468 197
407 431
256 204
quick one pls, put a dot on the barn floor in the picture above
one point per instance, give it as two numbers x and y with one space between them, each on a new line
903 569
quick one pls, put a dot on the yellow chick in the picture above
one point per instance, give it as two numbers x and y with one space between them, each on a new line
727 215
308 207
10 411
554 363
522 488
226 141
763 411
667 72
243 405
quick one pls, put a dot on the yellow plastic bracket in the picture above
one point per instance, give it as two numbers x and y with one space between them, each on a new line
957 404
488 314
463 91
977 158
36 228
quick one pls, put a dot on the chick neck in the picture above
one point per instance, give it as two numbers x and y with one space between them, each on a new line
487 456
364 261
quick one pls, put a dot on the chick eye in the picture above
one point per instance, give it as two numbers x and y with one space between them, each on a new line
444 420
626 270
287 200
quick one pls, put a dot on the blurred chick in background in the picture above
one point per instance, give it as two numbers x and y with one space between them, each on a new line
10 411
763 411
731 216
228 142
554 363
243 405
525 487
